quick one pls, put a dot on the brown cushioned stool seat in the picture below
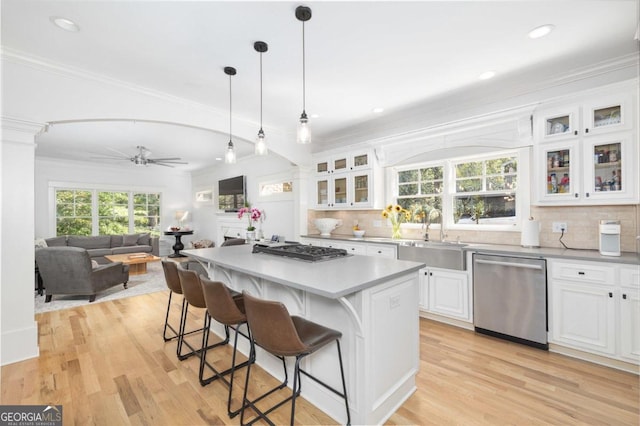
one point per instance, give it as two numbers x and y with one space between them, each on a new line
281 334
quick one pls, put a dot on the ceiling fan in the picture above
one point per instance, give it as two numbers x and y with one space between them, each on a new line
141 158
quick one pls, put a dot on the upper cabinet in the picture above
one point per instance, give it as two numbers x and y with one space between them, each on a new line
585 152
346 181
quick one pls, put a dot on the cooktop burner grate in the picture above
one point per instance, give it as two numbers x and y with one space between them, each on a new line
301 251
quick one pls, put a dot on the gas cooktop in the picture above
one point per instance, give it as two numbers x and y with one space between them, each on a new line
301 251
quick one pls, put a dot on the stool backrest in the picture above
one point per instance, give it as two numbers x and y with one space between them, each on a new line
233 242
220 304
170 269
191 288
271 326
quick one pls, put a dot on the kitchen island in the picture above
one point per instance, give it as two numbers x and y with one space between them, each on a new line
372 301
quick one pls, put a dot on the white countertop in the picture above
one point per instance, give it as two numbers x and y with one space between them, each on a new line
542 252
332 278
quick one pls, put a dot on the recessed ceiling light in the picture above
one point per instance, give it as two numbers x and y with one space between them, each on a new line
377 110
65 24
218 158
315 116
487 75
541 31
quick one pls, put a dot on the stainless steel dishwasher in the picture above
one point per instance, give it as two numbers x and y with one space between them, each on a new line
510 298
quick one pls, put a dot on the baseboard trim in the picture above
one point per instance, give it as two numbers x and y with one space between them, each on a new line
19 345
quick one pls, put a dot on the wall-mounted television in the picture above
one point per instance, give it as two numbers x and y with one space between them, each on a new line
232 193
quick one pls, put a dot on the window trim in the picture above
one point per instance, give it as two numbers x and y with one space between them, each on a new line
523 198
54 186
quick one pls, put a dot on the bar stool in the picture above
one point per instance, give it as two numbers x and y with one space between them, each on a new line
193 294
227 307
281 334
172 279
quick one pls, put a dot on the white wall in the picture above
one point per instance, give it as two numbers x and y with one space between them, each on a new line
280 214
18 330
175 188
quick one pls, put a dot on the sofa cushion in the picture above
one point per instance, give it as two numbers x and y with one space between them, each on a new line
94 242
116 241
57 241
99 252
130 240
131 249
144 239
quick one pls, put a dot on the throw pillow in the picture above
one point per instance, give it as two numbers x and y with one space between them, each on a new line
94 264
40 243
130 240
144 239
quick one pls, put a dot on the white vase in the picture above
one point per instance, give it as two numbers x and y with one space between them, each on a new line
251 236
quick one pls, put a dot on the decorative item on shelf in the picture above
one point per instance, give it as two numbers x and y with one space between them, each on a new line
253 215
357 232
396 215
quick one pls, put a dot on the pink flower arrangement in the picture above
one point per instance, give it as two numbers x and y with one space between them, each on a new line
253 215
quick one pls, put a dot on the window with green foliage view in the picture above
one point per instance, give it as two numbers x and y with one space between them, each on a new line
95 212
420 192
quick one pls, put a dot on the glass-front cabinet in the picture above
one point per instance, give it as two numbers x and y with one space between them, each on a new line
344 163
585 153
344 191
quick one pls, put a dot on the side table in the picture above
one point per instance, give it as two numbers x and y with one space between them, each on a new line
178 245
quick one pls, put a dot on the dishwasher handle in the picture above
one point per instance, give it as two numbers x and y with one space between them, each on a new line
511 264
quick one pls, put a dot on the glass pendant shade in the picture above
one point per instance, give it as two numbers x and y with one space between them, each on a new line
304 131
230 156
261 145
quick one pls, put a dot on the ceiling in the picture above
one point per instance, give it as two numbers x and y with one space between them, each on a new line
359 56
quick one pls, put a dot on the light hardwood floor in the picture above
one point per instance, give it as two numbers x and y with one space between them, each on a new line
106 364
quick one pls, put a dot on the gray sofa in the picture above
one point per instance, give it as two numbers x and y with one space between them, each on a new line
68 270
102 245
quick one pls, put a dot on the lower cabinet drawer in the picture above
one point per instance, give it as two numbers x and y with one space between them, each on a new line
583 272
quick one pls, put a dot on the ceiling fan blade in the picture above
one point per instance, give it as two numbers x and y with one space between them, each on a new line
165 159
158 161
109 157
162 164
119 152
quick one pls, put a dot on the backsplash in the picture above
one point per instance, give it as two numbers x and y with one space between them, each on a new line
582 226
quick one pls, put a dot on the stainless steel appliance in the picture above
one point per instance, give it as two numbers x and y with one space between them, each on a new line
510 298
300 251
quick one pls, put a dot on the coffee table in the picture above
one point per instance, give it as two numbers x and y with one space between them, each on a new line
137 261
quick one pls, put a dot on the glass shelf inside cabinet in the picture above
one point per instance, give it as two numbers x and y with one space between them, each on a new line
607 116
558 171
558 125
607 166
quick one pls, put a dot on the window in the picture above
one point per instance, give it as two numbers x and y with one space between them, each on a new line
96 212
420 192
146 213
113 213
485 191
472 191
73 212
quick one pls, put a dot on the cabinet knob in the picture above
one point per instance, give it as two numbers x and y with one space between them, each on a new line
624 296
575 132
587 194
610 294
379 251
586 130
580 273
426 273
430 274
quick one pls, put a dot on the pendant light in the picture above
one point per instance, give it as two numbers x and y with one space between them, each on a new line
303 13
261 146
230 156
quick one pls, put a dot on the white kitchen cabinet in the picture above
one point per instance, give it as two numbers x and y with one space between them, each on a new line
630 312
355 247
445 292
595 307
347 182
585 153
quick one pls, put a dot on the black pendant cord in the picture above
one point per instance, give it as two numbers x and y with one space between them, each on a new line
261 92
304 79
230 111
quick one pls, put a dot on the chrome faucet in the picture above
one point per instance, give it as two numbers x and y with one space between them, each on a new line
442 234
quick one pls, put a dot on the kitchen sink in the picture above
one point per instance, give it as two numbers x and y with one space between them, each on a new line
445 254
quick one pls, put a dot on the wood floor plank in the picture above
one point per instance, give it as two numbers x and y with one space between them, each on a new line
107 364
